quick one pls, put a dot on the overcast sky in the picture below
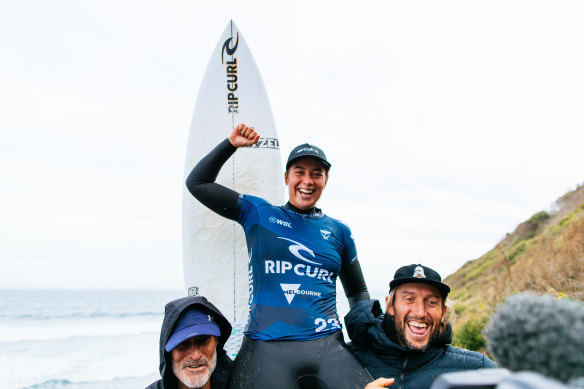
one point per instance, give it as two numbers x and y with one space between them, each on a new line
447 124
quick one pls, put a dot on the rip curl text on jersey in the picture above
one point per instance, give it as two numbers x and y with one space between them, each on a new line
294 261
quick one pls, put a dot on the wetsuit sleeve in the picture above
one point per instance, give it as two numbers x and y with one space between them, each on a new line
201 182
354 283
351 275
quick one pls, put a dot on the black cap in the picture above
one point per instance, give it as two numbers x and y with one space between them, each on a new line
307 150
420 274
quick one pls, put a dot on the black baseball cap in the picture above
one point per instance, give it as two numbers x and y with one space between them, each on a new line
307 150
418 274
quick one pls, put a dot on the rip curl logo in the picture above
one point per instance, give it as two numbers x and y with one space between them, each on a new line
419 272
275 220
210 319
291 290
325 234
297 247
227 48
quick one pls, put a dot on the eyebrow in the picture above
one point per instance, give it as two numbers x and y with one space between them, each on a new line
304 168
414 293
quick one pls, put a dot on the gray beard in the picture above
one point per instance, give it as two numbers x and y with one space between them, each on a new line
197 380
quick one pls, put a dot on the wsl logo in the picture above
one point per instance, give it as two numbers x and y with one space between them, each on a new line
229 48
275 220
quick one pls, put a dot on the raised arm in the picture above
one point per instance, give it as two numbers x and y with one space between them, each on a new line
353 283
201 181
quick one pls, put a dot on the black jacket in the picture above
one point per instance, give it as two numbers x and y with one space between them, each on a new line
172 311
371 334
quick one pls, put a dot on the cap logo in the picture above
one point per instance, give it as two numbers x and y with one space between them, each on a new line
419 272
308 149
210 319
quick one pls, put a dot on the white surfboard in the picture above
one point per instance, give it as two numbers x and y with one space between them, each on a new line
215 258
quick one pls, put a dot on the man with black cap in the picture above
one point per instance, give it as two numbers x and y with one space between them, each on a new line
410 342
191 346
293 338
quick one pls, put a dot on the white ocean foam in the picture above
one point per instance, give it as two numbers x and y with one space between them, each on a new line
35 330
79 360
116 383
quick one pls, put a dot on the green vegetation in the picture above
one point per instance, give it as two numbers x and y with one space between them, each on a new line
470 334
544 254
539 218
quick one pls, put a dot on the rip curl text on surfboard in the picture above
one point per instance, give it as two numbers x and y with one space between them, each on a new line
232 99
231 72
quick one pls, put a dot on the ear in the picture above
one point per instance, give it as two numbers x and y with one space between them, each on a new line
443 314
388 308
286 177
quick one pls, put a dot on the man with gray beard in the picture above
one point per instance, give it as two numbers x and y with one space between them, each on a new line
191 341
410 342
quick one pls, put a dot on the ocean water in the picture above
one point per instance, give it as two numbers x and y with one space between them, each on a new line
80 339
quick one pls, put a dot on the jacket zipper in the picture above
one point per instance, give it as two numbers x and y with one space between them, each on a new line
402 374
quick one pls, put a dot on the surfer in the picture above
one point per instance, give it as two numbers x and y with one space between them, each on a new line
293 337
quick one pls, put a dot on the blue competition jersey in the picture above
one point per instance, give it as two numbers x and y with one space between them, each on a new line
294 261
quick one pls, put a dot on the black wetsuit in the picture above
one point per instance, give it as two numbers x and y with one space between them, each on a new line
293 334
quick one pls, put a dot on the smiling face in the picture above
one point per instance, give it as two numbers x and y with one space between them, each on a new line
306 179
417 311
194 360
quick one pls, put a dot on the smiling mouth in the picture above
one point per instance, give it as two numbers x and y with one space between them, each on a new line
306 192
418 328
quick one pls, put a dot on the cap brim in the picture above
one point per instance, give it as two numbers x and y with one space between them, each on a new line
189 332
325 163
442 288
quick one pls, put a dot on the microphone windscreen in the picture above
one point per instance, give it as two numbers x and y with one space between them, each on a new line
529 332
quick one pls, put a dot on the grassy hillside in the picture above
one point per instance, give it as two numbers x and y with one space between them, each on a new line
544 254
